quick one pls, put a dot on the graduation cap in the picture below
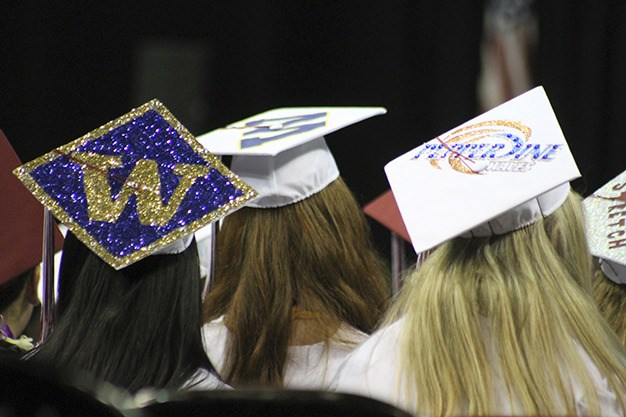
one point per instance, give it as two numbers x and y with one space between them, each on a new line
21 220
282 153
134 185
605 216
496 173
384 210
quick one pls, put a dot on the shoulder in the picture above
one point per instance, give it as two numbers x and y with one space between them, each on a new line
214 332
204 380
214 339
350 336
378 346
608 399
215 327
372 368
314 366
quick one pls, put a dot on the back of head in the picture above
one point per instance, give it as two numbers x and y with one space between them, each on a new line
314 255
137 186
136 327
512 309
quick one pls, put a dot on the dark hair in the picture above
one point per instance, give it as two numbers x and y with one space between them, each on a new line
136 327
74 256
9 291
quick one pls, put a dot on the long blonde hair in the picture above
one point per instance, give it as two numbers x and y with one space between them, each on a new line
512 309
315 255
611 300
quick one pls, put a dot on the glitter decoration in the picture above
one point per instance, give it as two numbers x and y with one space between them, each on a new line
473 135
482 141
134 185
605 216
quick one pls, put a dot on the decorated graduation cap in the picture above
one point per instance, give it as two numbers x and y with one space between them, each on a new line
496 173
134 186
605 215
282 153
21 220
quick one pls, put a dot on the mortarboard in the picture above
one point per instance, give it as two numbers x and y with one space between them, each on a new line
282 153
605 216
134 185
21 220
384 210
496 173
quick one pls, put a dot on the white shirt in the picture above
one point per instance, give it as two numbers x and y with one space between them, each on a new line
307 366
372 370
203 380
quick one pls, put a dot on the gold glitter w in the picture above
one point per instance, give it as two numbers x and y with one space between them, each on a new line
143 181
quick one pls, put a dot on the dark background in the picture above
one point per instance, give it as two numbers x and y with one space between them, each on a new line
67 69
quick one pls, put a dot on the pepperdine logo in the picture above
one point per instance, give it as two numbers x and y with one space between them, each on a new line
269 130
491 146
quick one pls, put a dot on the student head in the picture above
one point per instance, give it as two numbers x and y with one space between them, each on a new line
135 327
506 306
131 193
604 211
304 255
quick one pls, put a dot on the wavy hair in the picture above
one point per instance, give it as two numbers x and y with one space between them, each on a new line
314 255
514 310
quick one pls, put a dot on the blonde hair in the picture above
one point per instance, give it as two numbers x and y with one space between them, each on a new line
315 255
514 308
611 300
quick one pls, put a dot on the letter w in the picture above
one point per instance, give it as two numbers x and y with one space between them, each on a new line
143 181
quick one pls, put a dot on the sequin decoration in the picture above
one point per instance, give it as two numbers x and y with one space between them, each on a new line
134 185
475 134
605 216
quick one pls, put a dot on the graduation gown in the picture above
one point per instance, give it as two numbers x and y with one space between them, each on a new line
307 366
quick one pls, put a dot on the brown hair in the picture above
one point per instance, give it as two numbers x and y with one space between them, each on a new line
315 255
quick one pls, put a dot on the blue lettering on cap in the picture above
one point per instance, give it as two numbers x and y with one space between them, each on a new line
290 124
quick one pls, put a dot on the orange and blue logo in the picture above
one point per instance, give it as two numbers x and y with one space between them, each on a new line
490 146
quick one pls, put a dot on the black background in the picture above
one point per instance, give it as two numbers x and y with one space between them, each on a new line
66 69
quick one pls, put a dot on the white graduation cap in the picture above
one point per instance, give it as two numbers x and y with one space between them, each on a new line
282 153
496 173
605 215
